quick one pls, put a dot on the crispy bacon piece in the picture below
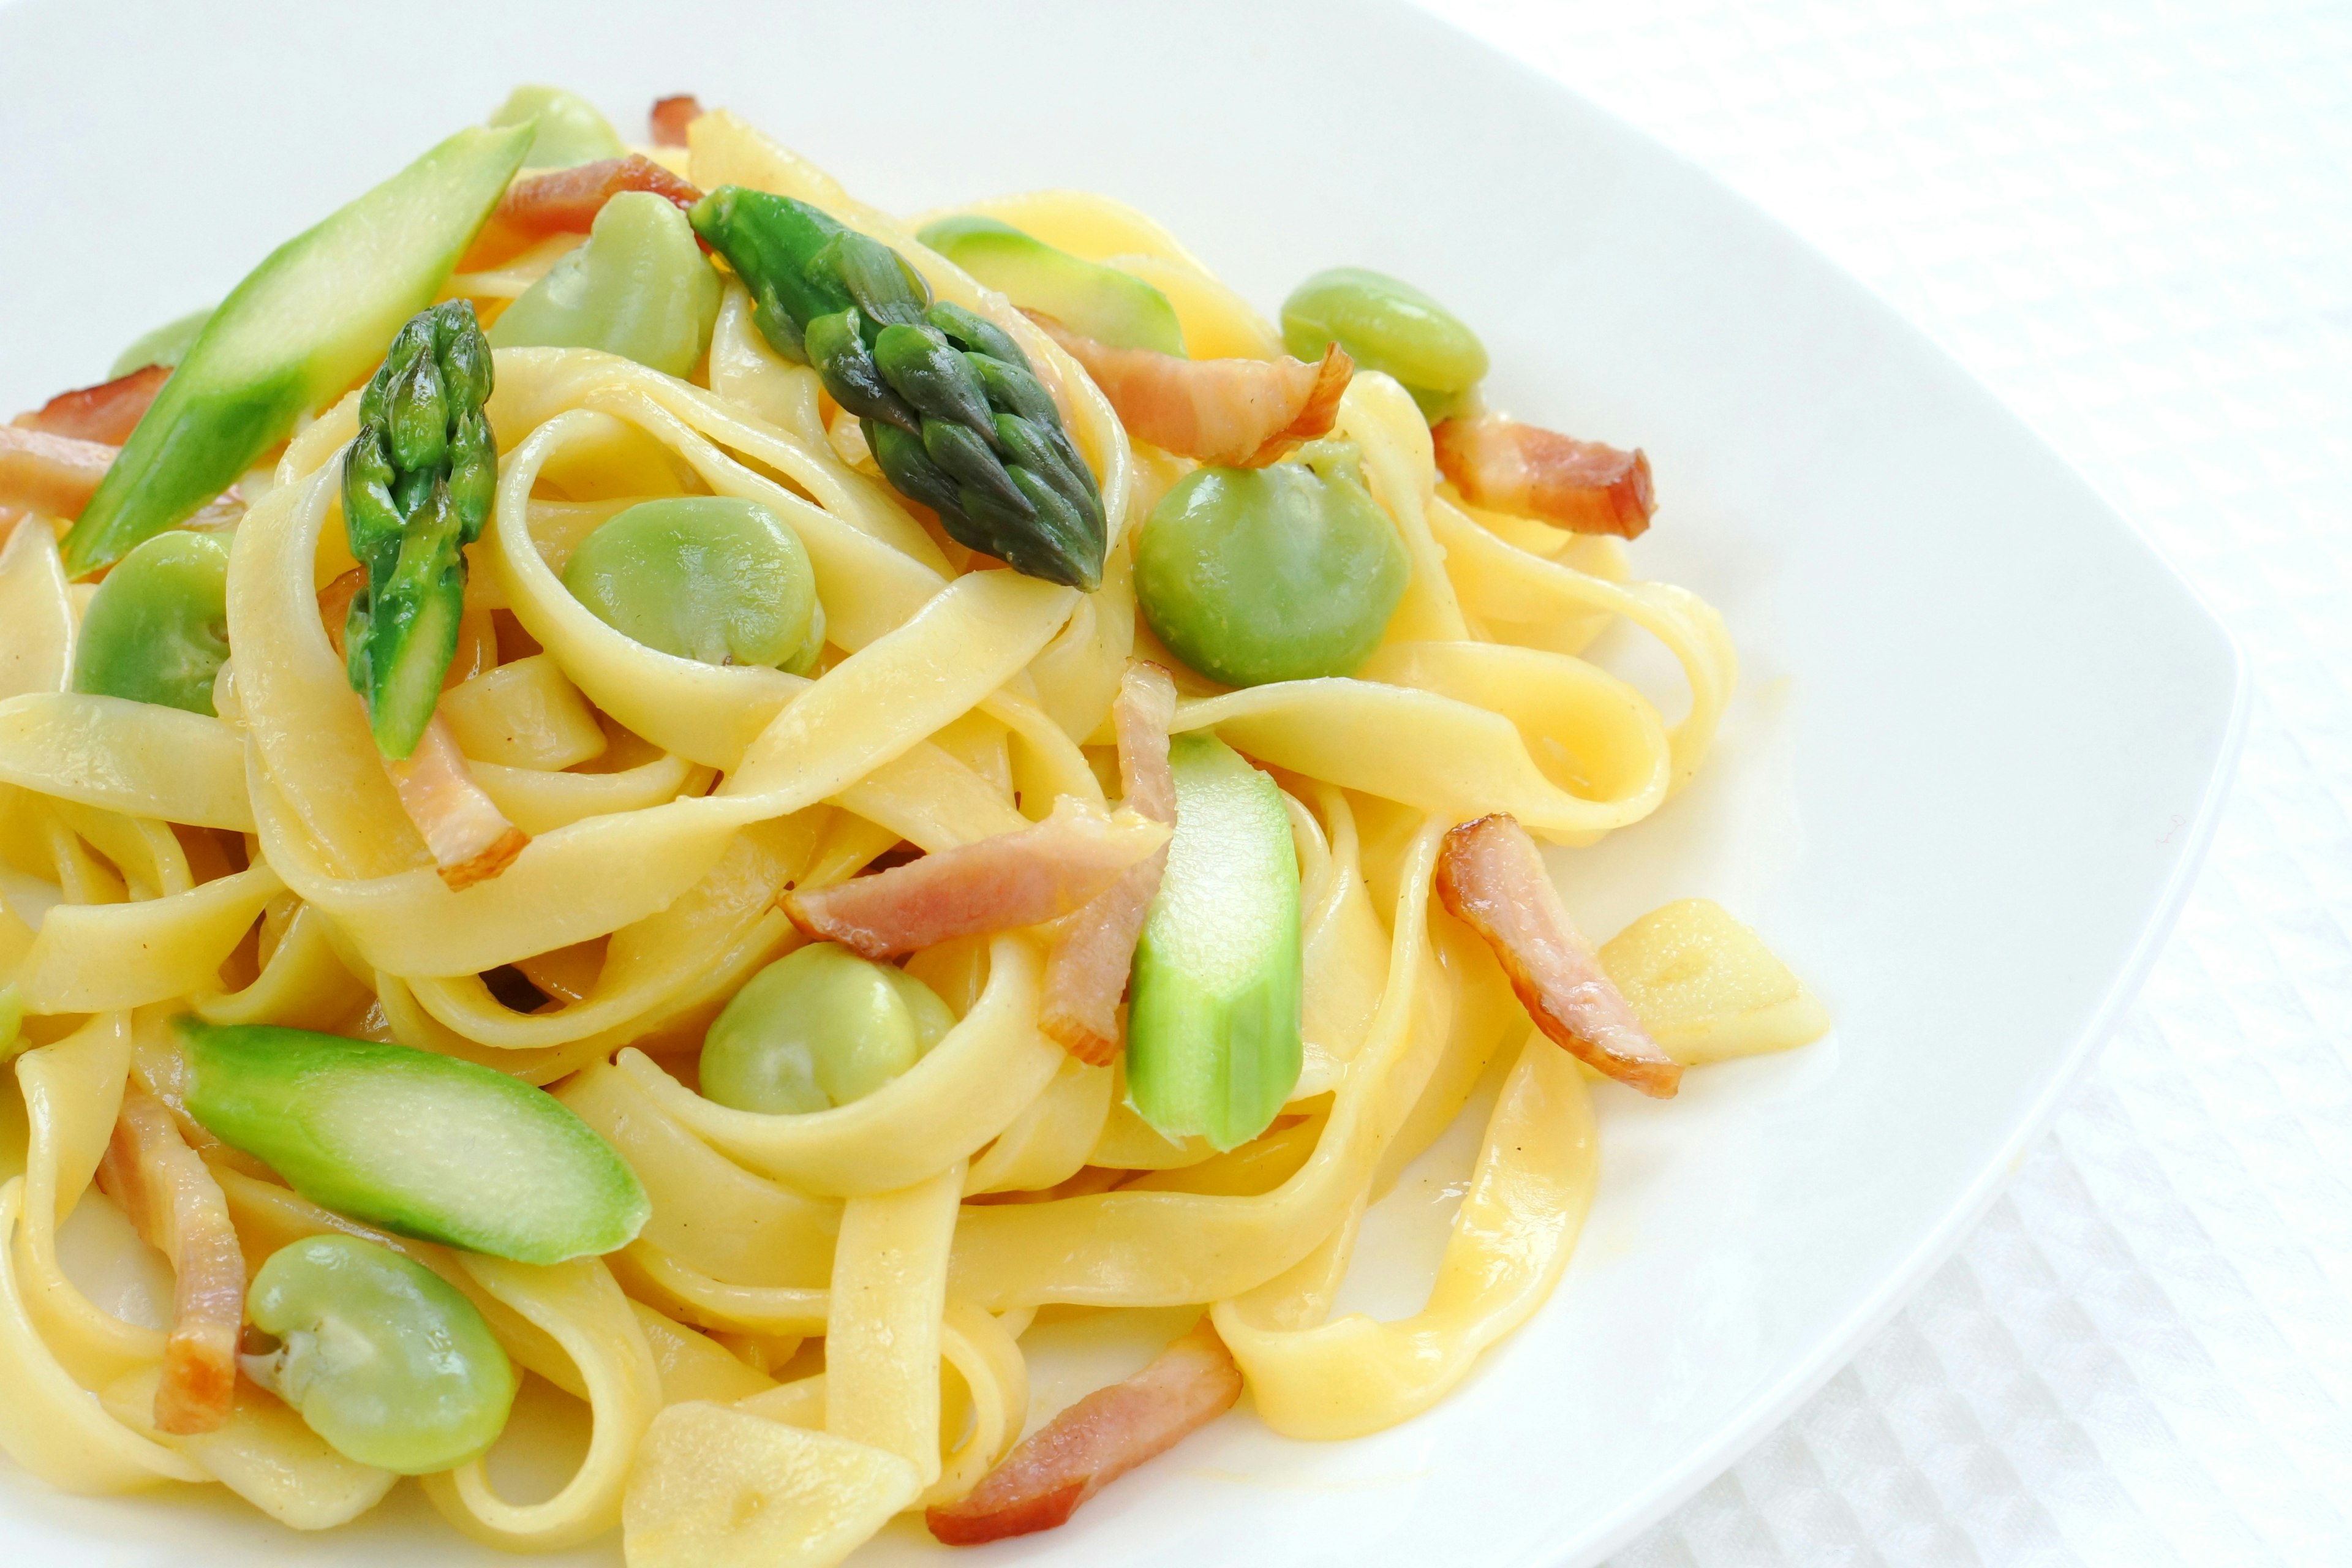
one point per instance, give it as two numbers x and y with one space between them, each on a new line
470 838
1018 878
1093 1443
108 412
52 475
672 115
1244 412
1086 966
568 200
1583 485
335 605
176 1205
1491 878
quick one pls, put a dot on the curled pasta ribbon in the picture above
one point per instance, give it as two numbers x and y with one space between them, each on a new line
882 1333
578 1305
1512 1237
985 1353
964 1091
303 983
73 1091
708 1213
37 612
654 966
55 1344
1153 1248
1049 1143
1529 595
267 1453
90 958
48 1423
136 757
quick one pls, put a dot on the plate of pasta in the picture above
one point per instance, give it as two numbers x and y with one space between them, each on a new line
739 833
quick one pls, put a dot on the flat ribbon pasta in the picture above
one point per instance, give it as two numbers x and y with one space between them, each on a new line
259 867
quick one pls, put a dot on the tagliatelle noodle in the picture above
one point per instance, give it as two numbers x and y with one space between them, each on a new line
257 867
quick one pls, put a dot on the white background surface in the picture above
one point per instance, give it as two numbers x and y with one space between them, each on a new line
2134 221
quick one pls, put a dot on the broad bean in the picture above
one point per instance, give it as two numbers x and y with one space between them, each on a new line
157 628
819 1027
571 129
166 345
1283 573
710 578
1388 326
639 289
382 1357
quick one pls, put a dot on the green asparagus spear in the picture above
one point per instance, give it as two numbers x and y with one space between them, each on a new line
290 339
418 486
955 416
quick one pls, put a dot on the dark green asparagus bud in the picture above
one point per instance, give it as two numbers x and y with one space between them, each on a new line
979 335
889 292
973 463
418 483
1027 447
836 345
931 382
910 469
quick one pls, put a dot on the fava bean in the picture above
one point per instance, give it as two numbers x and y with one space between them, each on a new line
703 577
571 129
639 289
166 345
383 1358
1283 573
157 628
1388 326
819 1027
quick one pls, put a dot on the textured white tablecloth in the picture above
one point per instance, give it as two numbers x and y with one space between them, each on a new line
2134 221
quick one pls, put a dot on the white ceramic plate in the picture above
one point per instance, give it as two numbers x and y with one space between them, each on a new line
1979 743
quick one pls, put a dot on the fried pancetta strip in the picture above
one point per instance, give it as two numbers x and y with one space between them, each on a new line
1244 412
1018 878
568 200
1491 878
1093 1443
108 412
470 838
1583 486
52 475
335 605
178 1208
672 115
1086 966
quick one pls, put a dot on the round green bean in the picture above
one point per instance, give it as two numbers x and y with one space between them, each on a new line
383 1358
819 1027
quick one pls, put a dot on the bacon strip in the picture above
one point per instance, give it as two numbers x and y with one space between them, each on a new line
1491 878
1017 878
671 116
178 1208
1096 1441
1086 966
1583 485
470 837
335 605
568 200
1244 412
52 475
108 412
